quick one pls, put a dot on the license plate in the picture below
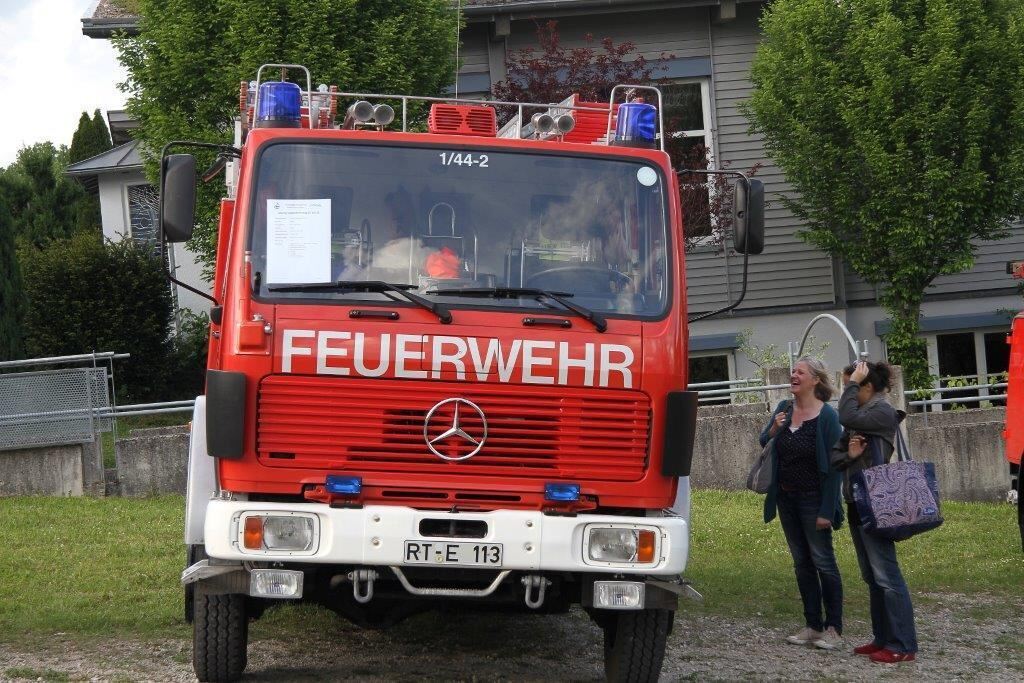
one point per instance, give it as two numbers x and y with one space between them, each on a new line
466 554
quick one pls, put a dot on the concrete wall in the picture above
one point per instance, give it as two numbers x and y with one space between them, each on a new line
966 447
725 448
968 457
49 471
152 461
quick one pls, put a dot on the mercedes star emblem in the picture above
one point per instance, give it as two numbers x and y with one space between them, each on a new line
455 431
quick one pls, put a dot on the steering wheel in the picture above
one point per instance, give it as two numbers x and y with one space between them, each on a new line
589 279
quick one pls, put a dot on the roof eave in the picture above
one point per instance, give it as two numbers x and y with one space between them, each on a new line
107 28
528 8
104 169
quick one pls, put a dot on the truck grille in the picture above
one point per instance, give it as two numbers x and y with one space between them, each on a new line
377 426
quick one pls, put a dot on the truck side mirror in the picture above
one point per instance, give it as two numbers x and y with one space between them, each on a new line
748 216
178 197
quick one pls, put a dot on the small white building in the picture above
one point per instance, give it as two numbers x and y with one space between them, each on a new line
129 206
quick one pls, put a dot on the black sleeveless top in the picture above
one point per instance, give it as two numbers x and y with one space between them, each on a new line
798 457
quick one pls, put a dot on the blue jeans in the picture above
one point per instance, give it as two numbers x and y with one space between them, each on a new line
892 613
817 573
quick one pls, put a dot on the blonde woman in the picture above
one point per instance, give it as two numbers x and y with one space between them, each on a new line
805 493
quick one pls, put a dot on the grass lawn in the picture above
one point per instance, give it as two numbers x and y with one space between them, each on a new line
127 425
85 566
742 566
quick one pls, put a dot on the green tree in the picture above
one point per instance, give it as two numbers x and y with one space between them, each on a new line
185 66
10 290
84 295
91 138
900 124
43 202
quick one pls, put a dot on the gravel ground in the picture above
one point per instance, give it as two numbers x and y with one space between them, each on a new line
962 638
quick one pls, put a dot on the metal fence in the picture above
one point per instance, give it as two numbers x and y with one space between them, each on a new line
992 392
727 390
984 395
64 405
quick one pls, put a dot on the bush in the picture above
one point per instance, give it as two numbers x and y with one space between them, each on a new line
187 368
84 295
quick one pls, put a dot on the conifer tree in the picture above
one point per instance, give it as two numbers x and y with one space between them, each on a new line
90 138
11 301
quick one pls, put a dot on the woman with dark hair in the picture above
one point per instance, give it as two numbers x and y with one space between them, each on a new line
871 424
805 493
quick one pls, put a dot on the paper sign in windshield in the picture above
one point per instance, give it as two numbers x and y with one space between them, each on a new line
298 240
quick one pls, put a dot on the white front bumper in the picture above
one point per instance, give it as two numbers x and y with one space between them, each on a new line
376 536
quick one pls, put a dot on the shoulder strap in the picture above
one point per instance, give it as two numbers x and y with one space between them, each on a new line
902 449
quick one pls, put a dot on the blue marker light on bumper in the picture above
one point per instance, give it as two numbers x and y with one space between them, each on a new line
562 493
348 486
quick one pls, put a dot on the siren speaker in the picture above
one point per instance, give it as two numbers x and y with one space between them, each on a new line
383 114
543 123
359 112
565 123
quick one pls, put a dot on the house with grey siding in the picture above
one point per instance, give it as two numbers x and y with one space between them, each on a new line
128 204
710 45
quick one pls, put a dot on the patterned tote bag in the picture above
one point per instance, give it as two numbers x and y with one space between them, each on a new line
899 499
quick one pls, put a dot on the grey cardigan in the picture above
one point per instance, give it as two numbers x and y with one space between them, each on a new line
876 418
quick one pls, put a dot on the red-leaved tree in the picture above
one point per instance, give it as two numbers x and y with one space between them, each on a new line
552 72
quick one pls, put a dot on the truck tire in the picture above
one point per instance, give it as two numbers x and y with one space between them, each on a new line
1020 502
193 554
634 645
220 635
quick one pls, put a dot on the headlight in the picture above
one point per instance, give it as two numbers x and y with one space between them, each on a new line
622 545
288 533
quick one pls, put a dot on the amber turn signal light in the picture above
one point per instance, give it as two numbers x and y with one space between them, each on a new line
253 537
645 546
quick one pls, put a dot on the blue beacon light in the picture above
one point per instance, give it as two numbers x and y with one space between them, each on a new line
636 124
280 105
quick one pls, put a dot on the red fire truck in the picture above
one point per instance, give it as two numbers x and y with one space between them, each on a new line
1014 432
444 366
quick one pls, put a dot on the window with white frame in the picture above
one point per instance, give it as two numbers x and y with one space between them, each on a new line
716 368
967 363
689 142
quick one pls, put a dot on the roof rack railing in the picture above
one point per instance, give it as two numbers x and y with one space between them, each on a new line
565 105
405 99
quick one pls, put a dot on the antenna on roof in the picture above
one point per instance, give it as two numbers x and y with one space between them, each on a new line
458 21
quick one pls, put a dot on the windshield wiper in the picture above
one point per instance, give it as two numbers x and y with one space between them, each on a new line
600 324
377 286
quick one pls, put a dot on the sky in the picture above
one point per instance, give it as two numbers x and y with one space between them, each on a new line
50 73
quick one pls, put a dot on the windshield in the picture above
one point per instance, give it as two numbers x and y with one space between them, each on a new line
444 220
